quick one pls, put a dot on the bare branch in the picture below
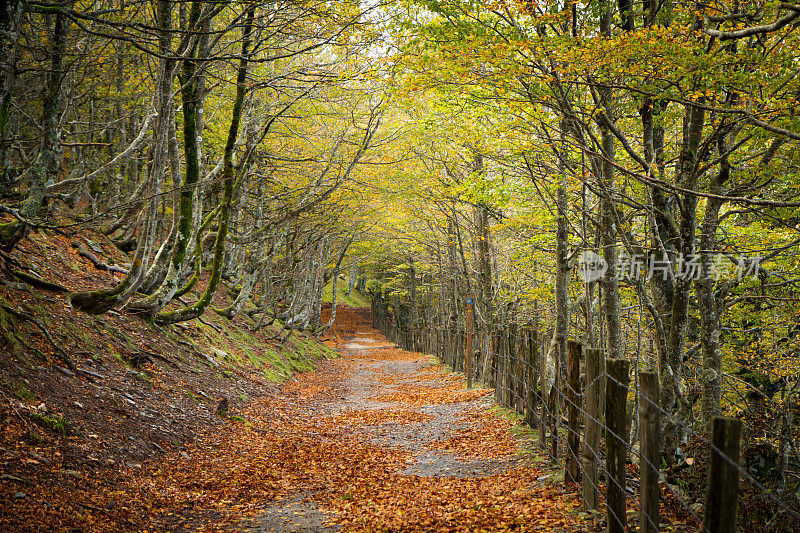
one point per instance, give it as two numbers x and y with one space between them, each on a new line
757 30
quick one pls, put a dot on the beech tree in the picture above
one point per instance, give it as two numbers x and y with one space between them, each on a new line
443 149
661 160
243 69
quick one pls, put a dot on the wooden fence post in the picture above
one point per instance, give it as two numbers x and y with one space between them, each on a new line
591 443
456 349
573 400
508 363
519 380
543 420
498 370
553 403
650 446
494 347
511 366
533 374
616 442
439 354
462 341
505 350
722 495
469 342
454 340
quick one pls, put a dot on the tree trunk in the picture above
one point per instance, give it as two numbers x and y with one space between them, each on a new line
710 330
250 276
672 361
558 343
50 148
226 181
707 301
608 227
486 304
191 97
336 268
10 22
451 295
98 302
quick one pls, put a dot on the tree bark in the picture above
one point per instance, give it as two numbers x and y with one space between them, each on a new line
672 360
227 178
191 96
11 15
50 148
708 302
558 344
98 302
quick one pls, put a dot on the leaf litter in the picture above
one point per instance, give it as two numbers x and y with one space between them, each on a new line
378 440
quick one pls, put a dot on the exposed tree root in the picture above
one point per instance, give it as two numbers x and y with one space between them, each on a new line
64 356
11 233
13 268
7 328
209 324
161 358
125 246
38 282
98 263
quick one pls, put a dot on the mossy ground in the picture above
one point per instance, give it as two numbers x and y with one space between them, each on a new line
354 299
230 343
53 422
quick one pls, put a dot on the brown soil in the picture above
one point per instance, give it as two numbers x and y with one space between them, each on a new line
378 439
147 393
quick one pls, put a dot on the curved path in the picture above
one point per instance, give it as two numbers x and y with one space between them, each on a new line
450 461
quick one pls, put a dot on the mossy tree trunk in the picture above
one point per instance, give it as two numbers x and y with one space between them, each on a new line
191 96
227 178
710 295
252 271
300 311
50 147
98 302
11 14
671 368
335 277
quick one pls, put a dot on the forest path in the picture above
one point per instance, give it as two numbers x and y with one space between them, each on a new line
432 455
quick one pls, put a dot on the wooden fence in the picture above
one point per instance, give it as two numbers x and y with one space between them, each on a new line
592 440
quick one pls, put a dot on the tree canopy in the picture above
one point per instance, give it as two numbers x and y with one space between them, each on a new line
499 150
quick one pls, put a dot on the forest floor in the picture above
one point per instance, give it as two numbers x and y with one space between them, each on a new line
383 439
374 439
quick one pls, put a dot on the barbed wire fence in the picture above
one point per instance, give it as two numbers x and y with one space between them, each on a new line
600 434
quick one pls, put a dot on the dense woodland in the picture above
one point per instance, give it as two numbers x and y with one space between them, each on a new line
440 151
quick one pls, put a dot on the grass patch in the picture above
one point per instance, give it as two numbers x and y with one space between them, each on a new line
311 349
18 390
527 437
52 422
356 299
239 347
274 376
505 412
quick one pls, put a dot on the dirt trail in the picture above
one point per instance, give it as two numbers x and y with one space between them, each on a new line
386 380
404 405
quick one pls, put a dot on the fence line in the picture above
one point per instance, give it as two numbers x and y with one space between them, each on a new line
512 361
